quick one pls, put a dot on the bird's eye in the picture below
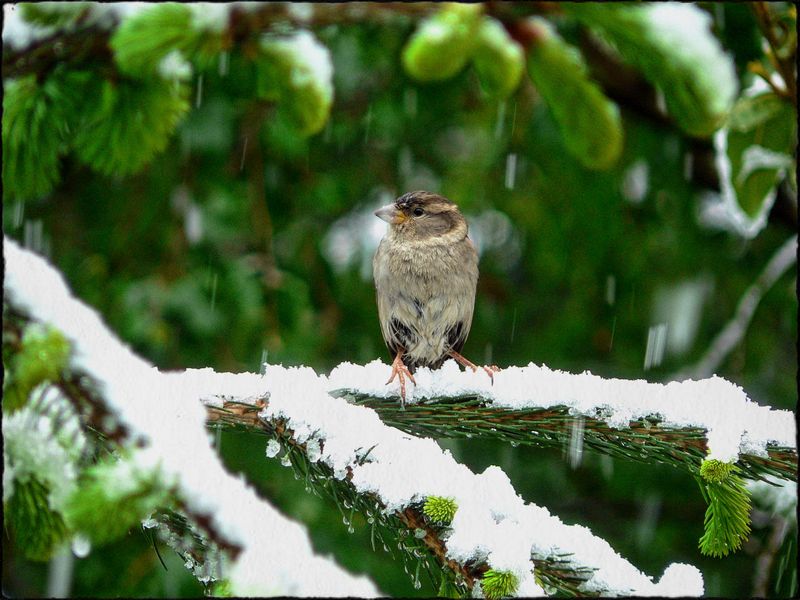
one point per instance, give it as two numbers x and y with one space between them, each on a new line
418 212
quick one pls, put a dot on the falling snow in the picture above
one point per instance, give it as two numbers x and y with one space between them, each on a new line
492 522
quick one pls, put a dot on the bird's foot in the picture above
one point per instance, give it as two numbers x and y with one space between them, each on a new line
490 370
400 370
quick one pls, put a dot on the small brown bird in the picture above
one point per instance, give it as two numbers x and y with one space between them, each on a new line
426 270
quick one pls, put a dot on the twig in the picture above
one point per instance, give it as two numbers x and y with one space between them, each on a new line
732 334
785 65
765 559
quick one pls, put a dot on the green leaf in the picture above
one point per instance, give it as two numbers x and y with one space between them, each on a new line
672 45
295 71
727 520
36 528
498 59
758 144
127 123
443 43
589 122
112 497
497 584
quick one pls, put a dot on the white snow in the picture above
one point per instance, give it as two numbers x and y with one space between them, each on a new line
723 210
776 496
18 33
492 523
174 67
636 181
163 410
686 28
34 448
734 422
210 16
311 59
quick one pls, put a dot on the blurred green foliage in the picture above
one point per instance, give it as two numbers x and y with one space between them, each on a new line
246 239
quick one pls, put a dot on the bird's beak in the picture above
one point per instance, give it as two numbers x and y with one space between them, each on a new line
390 214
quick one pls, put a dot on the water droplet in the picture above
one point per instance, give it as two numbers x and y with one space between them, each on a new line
273 447
419 533
286 461
417 584
350 528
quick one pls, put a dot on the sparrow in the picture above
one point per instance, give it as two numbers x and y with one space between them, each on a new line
426 271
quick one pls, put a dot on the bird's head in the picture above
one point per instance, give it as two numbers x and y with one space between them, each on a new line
423 216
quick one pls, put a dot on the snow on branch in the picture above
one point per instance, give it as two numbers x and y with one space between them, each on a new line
161 411
492 524
679 423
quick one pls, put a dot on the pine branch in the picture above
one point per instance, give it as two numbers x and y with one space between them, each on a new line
163 412
91 42
409 528
643 440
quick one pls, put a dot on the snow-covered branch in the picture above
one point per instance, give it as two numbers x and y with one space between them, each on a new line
161 412
680 423
492 526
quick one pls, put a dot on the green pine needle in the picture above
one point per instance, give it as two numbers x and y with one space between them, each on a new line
285 75
222 589
727 520
439 509
52 14
33 129
716 471
128 122
497 584
37 529
589 122
142 41
43 356
447 589
113 497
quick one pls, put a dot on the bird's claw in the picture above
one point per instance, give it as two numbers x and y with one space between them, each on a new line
491 370
400 370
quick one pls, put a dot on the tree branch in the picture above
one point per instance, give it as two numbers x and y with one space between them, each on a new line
784 62
642 441
733 332
363 464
